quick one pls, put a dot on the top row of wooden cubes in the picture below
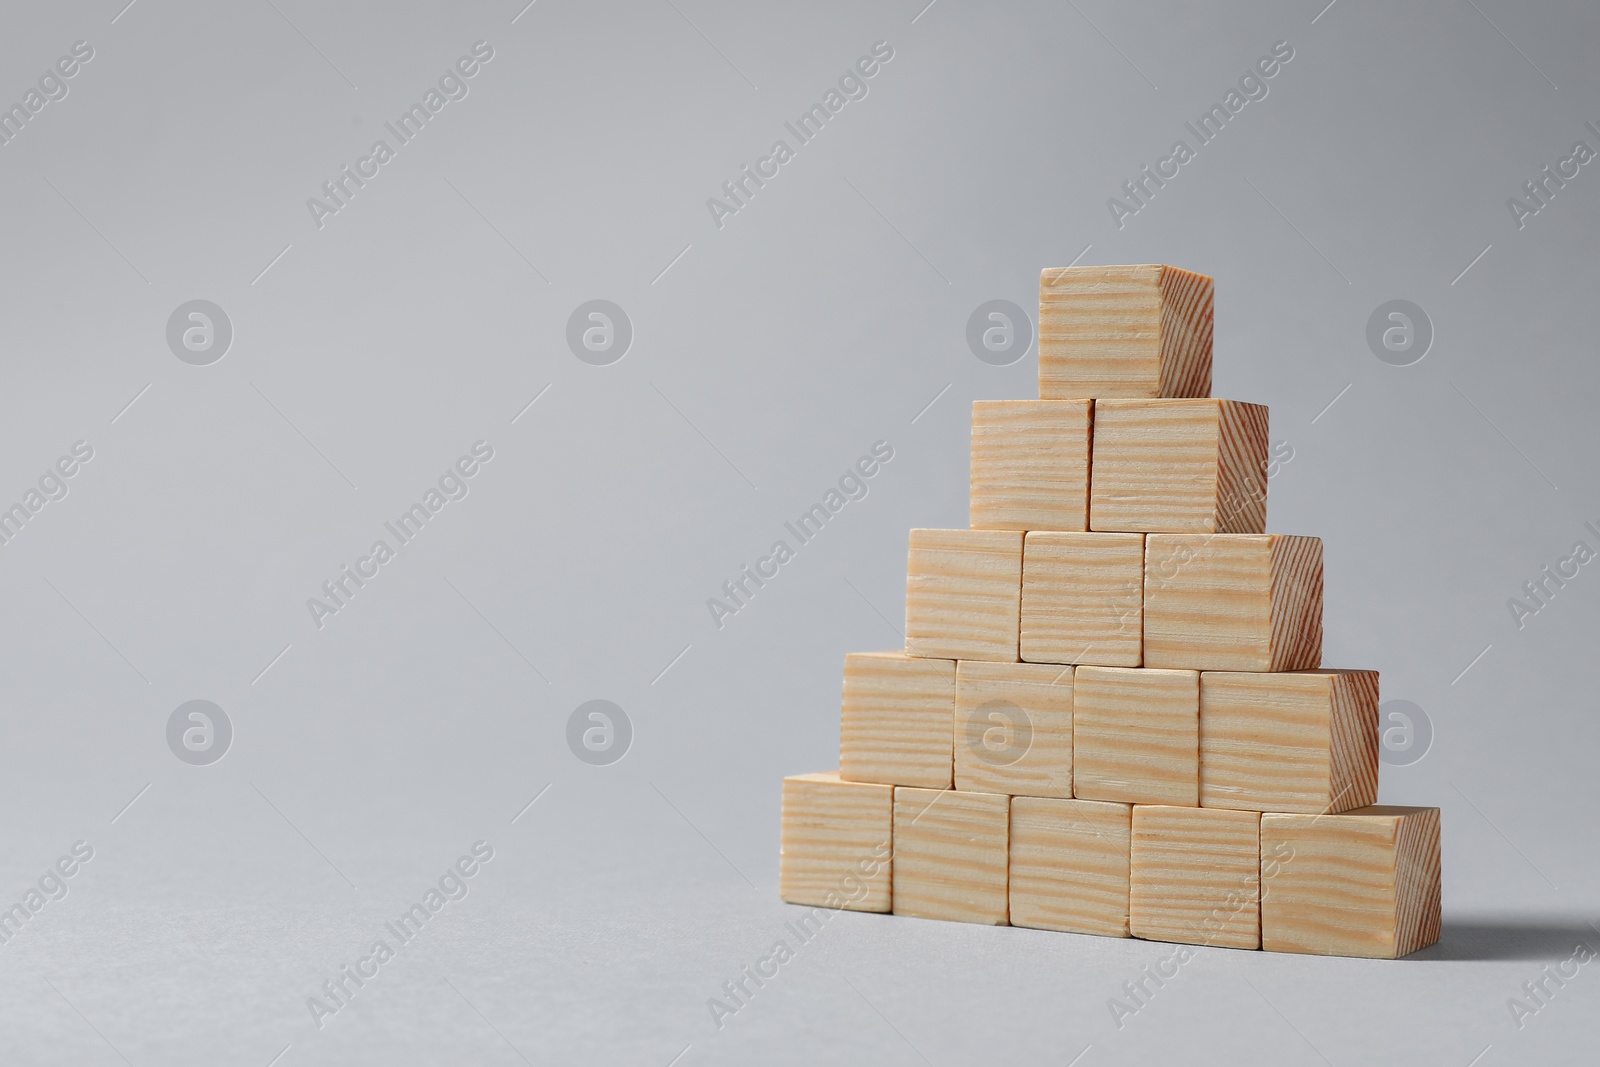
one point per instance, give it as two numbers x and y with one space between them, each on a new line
1128 331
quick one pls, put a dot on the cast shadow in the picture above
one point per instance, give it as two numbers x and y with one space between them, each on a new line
1509 939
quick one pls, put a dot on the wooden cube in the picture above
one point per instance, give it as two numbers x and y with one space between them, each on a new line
1083 598
1030 464
1069 865
1014 728
899 720
1364 883
837 843
1131 331
1195 876
1302 742
950 855
963 590
1136 735
1179 466
1233 602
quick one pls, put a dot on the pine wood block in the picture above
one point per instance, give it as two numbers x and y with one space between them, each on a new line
1014 728
963 591
1069 865
1136 735
950 855
1179 466
1233 602
1083 598
1030 464
837 842
1362 883
1195 876
1303 742
899 719
1128 331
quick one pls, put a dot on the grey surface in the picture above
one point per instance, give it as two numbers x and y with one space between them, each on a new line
823 317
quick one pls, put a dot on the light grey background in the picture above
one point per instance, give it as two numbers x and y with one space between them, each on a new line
767 356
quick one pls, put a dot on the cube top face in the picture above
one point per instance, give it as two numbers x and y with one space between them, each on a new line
1303 742
1233 602
1030 464
1179 466
1362 883
1124 331
1136 735
950 855
1083 598
898 722
963 594
1069 865
1196 876
837 843
1392 812
1014 728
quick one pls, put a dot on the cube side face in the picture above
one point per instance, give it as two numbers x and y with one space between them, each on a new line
963 594
950 855
1186 331
1014 728
1242 468
1418 881
1196 876
1267 742
1030 464
1356 742
898 722
1083 599
1136 735
1332 885
837 843
1069 865
1100 332
1208 602
1157 466
1296 603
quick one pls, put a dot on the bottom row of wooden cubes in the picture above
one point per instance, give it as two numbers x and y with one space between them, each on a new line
1360 883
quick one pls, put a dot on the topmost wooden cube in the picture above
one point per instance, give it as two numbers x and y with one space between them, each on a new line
1135 331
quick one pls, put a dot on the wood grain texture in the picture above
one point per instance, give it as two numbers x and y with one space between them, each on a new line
1357 741
1124 331
1296 603
1030 464
1069 865
1302 742
1362 883
1233 602
1419 878
950 855
1083 598
1179 466
1195 876
1014 728
837 843
1136 735
1243 444
1186 329
963 594
898 726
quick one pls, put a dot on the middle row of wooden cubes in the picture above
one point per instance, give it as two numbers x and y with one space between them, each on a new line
1303 741
1228 602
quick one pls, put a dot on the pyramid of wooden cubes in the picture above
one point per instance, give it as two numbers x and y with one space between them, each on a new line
1111 715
